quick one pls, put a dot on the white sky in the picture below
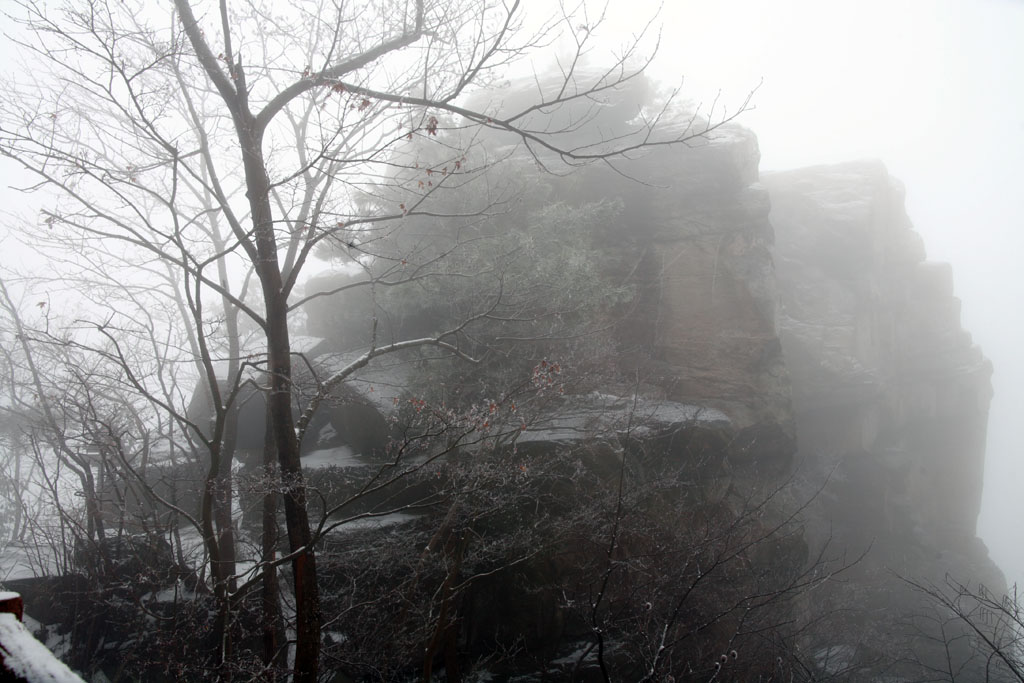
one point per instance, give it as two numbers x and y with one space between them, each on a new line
935 89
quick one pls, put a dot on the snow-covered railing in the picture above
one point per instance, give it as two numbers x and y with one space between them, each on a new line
22 657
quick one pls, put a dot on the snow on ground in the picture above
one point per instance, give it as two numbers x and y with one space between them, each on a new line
25 656
192 547
377 521
340 456
585 651
598 414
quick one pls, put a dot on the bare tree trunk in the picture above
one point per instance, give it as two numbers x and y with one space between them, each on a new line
262 250
304 579
17 523
229 439
211 539
224 498
279 405
273 626
96 529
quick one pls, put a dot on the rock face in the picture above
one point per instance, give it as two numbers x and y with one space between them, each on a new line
778 324
819 329
800 305
887 387
890 398
696 242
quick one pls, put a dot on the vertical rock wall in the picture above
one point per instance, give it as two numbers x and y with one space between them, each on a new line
888 389
695 241
821 329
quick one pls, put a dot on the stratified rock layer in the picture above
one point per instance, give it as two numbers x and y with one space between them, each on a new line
696 242
886 384
821 329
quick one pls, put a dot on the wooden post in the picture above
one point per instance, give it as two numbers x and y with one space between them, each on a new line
12 603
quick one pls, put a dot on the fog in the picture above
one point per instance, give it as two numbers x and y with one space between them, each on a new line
933 89
930 88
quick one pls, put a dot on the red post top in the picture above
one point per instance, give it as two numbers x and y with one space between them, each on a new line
12 603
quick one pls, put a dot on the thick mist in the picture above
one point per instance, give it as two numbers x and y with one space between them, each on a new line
932 90
415 363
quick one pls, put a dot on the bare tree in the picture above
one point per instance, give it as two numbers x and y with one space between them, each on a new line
967 633
213 143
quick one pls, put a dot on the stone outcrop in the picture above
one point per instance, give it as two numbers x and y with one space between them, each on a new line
696 241
888 389
693 241
783 327
800 306
778 324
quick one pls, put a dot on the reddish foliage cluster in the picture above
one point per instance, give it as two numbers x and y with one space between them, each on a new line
545 375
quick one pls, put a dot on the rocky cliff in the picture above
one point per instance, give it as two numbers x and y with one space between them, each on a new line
696 241
886 385
761 383
801 304
785 347
800 309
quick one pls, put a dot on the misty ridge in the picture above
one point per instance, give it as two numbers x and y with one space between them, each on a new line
355 346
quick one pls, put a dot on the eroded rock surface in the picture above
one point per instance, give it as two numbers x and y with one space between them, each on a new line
886 383
697 243
890 395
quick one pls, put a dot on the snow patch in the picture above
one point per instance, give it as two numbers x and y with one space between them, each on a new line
376 521
598 413
340 456
25 656
584 652
327 433
382 383
175 593
304 344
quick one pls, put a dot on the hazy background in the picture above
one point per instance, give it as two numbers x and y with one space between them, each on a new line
934 88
